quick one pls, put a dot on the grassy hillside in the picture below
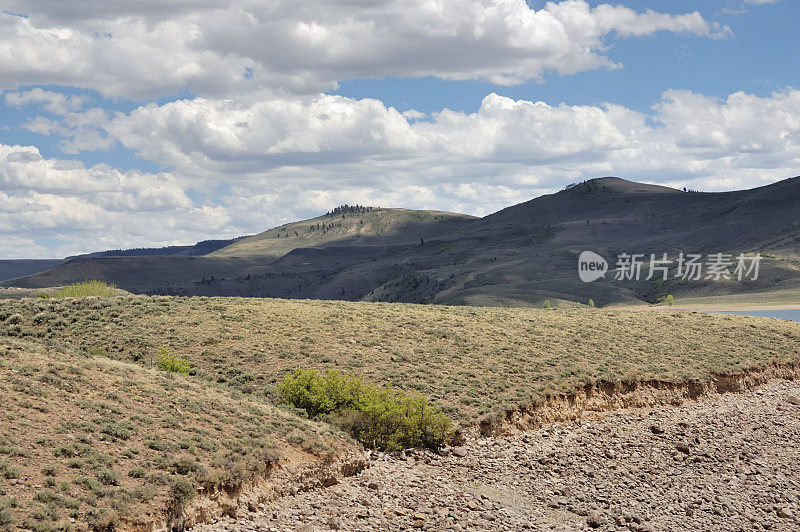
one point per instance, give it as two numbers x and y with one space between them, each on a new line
473 361
103 442
785 293
370 226
137 274
93 434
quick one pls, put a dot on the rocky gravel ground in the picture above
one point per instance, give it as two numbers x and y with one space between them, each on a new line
725 462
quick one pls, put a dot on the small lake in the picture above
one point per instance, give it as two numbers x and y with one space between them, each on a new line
793 314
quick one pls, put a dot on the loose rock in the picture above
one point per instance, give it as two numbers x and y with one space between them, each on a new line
733 464
595 520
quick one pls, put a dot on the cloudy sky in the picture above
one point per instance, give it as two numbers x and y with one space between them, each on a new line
148 123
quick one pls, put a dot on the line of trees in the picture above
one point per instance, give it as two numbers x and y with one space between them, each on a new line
350 209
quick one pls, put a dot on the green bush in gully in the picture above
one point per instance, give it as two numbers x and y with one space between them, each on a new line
84 289
382 418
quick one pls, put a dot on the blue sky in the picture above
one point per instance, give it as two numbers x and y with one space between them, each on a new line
169 122
762 56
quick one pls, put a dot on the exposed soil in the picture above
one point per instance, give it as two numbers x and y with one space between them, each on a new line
722 462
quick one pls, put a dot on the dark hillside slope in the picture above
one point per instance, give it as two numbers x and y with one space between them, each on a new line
13 268
520 255
136 274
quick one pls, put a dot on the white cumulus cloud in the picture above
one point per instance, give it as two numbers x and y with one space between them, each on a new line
86 209
53 102
146 49
345 141
281 158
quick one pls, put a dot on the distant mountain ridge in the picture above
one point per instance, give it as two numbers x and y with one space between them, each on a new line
204 247
14 268
520 255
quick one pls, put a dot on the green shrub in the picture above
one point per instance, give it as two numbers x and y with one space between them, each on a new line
130 452
137 472
591 302
546 304
8 471
109 477
667 300
89 484
382 418
116 431
51 470
6 519
98 352
183 465
156 445
143 493
173 363
102 519
181 490
47 497
318 394
84 289
10 502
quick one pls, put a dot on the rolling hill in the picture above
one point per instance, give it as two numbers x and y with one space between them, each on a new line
13 268
138 274
519 256
203 247
103 431
348 226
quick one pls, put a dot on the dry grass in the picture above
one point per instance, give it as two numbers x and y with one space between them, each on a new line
471 361
104 442
391 225
22 293
91 430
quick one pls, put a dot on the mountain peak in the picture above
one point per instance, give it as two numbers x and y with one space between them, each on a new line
623 186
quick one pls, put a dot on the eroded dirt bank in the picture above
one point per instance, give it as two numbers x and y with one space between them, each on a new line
595 400
721 462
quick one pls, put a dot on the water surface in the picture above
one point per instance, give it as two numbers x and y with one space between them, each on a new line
791 314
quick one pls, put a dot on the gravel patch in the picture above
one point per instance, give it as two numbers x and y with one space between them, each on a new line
724 462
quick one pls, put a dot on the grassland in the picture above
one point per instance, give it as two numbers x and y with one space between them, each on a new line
787 296
88 441
389 226
22 293
93 431
472 361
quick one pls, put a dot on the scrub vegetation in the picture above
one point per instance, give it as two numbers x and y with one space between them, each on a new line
83 289
118 408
